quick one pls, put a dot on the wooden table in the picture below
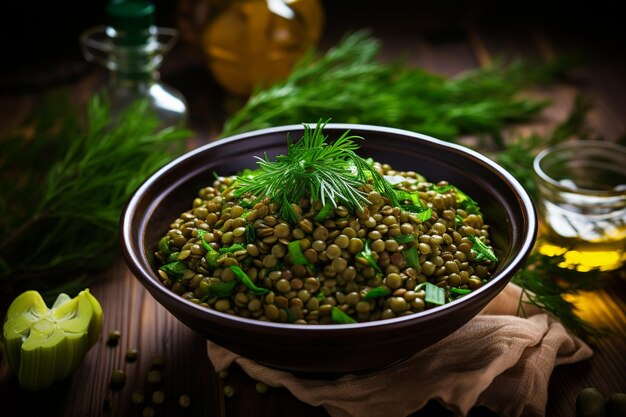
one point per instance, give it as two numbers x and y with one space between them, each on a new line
443 38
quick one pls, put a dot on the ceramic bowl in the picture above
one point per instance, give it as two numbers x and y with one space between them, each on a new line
336 348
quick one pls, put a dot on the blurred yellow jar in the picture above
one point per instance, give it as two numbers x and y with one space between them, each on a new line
254 43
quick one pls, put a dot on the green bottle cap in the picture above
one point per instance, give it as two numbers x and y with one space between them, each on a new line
133 21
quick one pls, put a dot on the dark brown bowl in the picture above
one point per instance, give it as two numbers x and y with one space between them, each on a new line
337 348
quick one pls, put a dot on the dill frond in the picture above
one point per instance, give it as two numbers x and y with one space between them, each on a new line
313 167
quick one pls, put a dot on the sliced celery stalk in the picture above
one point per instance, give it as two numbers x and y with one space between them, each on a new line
45 345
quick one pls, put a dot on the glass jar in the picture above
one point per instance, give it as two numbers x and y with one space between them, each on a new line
582 202
132 48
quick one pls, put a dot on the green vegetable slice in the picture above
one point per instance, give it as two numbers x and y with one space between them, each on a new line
247 281
411 257
377 293
340 317
174 269
402 239
221 289
324 212
211 254
295 253
164 246
484 252
460 291
235 247
366 254
434 294
45 345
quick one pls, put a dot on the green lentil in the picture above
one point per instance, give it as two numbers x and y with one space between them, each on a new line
131 355
118 378
114 337
229 391
184 401
137 397
590 402
158 397
261 387
158 361
148 412
154 376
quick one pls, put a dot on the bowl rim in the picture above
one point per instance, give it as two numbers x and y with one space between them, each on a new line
150 280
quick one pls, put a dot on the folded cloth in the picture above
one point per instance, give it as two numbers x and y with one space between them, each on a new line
497 360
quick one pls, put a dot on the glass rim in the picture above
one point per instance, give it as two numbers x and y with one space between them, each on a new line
604 145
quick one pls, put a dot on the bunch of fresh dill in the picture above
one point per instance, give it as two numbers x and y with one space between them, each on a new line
350 84
65 177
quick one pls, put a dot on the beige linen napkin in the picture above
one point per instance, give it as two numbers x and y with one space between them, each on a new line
496 360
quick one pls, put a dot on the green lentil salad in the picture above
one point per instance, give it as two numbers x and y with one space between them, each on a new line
323 236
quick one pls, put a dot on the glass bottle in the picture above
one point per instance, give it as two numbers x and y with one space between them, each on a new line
254 43
132 48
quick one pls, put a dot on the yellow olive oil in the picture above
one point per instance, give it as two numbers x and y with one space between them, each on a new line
585 245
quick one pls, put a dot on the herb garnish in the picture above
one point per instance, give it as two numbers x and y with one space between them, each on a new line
65 177
338 316
329 172
485 253
350 82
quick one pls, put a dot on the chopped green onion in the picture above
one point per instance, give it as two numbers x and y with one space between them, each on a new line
295 253
203 242
410 257
235 247
405 238
434 294
172 257
247 281
164 246
220 290
211 259
377 293
484 252
460 291
340 317
324 212
211 254
175 269
366 254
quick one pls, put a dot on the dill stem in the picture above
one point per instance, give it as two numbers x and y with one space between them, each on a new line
19 231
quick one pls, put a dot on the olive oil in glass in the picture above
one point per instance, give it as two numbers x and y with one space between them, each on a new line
582 203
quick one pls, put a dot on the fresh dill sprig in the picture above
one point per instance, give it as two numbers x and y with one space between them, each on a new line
350 83
517 154
329 172
65 176
546 285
